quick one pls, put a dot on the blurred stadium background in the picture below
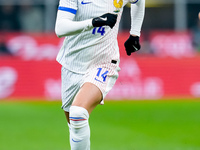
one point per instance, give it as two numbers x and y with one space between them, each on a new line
154 104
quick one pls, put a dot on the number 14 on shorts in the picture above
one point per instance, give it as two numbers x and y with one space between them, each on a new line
101 75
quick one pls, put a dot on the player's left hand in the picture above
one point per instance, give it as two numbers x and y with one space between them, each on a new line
132 44
107 19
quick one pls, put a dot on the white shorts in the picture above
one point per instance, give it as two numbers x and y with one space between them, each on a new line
103 76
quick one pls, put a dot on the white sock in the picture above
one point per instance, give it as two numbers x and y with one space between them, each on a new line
80 130
69 133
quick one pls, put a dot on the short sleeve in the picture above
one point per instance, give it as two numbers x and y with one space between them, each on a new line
68 5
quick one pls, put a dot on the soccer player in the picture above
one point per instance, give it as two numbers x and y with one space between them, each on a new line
90 57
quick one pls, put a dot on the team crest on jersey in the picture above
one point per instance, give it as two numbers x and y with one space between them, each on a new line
118 4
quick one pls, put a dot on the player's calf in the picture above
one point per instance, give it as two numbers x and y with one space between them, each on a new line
80 131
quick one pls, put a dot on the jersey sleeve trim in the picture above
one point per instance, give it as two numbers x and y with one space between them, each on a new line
73 11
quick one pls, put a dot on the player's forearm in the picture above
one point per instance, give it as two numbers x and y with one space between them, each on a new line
137 17
65 26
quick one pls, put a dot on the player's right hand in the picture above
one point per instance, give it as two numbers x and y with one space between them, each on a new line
105 20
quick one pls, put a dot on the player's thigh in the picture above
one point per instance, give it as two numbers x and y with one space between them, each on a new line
103 76
98 82
88 97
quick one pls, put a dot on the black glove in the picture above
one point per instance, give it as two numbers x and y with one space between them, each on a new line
132 44
105 20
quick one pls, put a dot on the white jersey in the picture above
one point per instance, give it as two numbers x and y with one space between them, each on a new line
94 46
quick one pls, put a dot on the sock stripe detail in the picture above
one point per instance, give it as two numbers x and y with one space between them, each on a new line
76 141
77 118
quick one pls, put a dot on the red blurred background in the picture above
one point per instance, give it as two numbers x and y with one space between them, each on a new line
167 67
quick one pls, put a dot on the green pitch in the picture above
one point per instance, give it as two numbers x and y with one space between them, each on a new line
128 125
